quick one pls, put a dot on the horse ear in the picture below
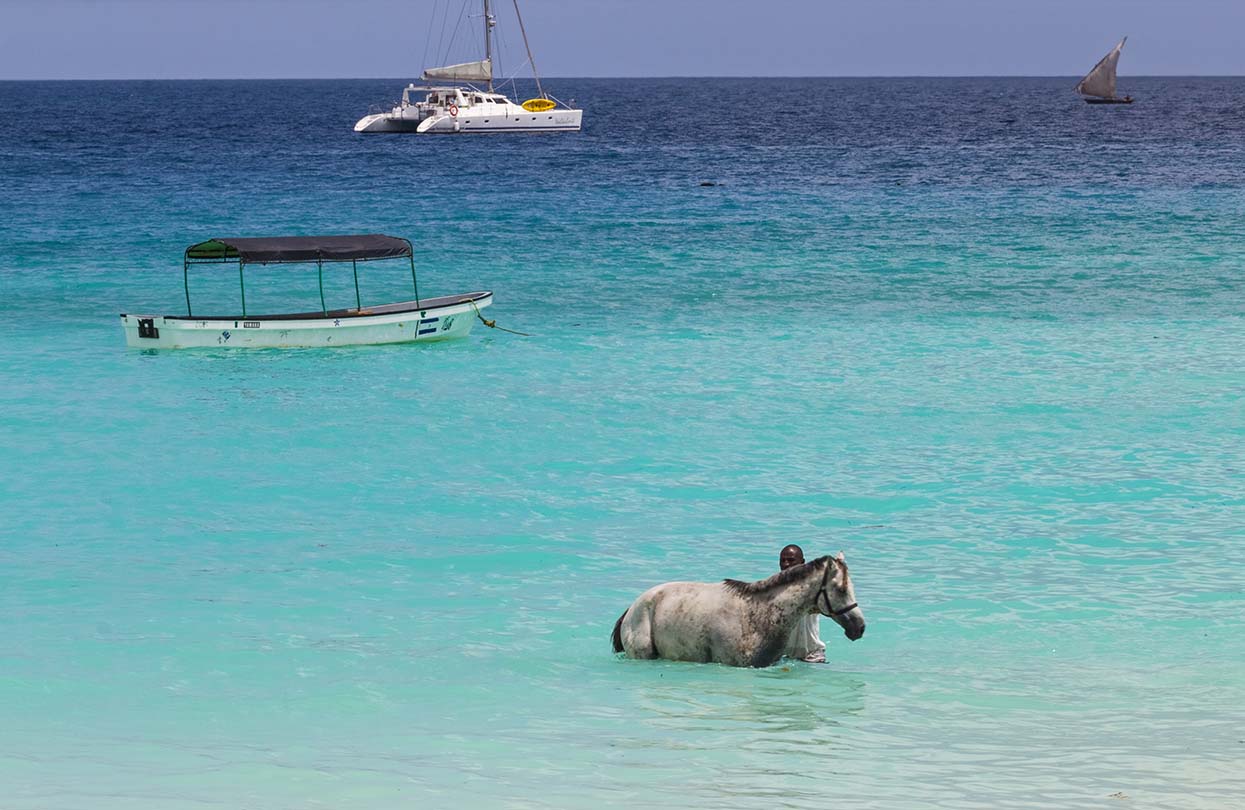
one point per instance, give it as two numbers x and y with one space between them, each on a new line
839 556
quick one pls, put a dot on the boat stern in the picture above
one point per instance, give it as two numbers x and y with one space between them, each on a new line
377 122
570 118
401 119
144 331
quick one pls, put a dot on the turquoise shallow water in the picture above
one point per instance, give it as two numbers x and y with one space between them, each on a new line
980 337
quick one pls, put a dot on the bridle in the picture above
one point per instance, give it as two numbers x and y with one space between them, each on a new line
821 594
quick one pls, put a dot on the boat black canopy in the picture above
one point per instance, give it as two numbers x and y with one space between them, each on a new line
289 249
293 249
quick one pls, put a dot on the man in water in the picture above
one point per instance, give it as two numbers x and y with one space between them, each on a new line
805 643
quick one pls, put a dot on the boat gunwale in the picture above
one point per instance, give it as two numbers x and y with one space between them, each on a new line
399 308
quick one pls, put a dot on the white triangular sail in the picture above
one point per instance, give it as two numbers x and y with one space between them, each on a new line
1101 80
481 71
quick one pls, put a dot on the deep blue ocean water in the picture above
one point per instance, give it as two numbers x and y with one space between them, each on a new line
982 337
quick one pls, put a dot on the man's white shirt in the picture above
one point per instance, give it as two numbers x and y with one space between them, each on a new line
805 642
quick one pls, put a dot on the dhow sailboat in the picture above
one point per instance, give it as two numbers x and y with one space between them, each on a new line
1098 86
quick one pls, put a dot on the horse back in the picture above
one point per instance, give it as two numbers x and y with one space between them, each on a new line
692 621
706 621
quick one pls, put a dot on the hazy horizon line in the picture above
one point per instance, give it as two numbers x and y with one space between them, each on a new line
620 78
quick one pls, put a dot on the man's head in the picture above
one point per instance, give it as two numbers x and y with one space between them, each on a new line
789 556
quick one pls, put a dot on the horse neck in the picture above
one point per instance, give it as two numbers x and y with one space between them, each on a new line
799 597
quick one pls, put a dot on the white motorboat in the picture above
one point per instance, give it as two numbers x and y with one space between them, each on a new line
419 320
461 98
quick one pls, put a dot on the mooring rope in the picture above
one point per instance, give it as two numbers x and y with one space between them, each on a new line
493 324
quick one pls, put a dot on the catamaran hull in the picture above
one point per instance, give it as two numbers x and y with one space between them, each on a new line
433 319
386 122
551 121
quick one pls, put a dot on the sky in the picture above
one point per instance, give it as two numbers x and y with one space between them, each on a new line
170 39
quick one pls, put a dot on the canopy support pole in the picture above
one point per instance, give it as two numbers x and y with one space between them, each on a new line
414 280
242 286
186 283
320 269
358 303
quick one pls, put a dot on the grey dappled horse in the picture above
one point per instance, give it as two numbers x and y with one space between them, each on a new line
743 624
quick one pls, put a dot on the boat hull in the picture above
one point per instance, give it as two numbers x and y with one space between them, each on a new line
492 124
386 122
431 319
1108 101
560 120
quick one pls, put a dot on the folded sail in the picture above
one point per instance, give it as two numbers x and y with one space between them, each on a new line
481 71
1101 80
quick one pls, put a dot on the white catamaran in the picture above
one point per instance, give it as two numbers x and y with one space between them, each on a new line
1098 86
459 105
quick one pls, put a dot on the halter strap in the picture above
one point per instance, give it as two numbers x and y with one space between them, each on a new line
821 594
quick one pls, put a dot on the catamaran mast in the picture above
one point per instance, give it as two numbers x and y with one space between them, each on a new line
539 91
489 22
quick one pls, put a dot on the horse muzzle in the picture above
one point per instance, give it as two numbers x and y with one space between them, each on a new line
853 624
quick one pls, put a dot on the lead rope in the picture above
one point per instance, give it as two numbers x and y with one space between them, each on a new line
493 324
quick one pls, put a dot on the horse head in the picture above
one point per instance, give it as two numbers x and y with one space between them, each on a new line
837 599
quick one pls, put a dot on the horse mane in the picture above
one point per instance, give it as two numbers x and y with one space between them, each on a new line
763 587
